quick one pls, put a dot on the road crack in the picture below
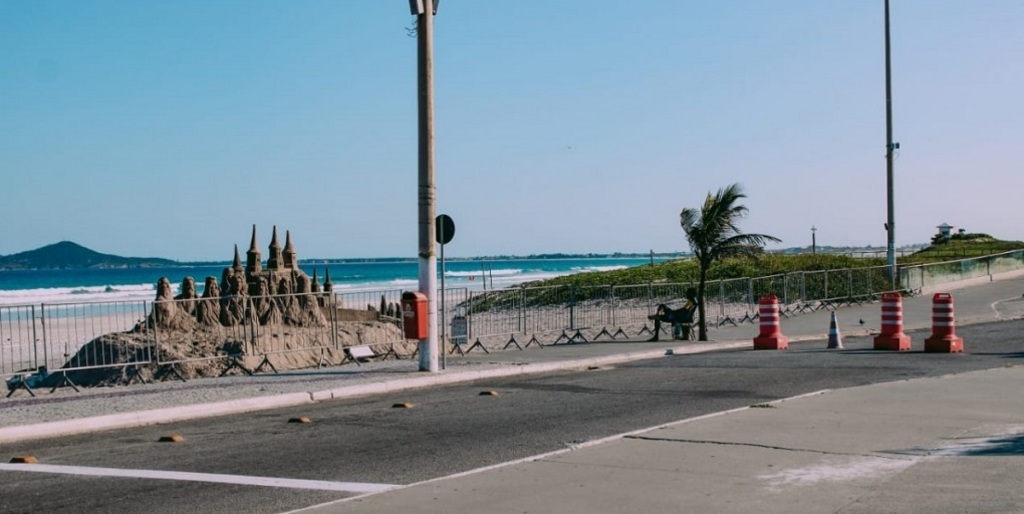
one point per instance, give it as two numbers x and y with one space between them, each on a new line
756 445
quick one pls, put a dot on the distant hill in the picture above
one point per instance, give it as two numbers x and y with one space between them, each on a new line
68 255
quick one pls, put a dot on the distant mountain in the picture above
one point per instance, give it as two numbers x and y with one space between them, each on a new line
68 255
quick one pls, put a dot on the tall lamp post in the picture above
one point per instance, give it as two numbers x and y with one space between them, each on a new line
814 241
424 10
890 224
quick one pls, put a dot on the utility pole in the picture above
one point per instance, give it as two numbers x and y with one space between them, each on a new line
424 10
890 225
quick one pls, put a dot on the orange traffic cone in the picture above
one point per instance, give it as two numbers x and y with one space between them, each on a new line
834 339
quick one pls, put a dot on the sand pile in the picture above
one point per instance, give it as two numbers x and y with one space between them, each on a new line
206 352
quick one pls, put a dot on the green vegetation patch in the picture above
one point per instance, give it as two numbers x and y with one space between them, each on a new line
684 271
961 246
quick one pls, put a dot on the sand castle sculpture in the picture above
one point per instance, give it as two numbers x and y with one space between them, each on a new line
278 294
299 325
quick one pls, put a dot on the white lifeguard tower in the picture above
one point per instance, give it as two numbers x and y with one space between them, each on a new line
944 231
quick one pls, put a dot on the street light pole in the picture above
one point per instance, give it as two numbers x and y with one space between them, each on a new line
890 225
424 11
814 241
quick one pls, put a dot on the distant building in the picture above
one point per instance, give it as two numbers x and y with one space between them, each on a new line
944 231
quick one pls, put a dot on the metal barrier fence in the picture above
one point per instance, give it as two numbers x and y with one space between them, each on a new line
925 276
83 336
73 338
380 301
306 327
186 330
300 327
632 305
554 314
19 348
452 320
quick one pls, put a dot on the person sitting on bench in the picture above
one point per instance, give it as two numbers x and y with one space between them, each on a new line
682 317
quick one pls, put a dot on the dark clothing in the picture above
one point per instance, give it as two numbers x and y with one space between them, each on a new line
682 317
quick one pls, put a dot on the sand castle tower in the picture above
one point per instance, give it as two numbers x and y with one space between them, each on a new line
316 283
236 264
252 256
281 276
291 257
275 260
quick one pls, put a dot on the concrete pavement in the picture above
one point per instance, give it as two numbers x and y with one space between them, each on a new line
951 444
939 445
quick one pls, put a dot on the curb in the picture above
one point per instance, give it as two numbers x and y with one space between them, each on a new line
148 417
208 410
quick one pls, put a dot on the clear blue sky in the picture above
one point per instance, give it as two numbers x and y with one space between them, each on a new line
168 128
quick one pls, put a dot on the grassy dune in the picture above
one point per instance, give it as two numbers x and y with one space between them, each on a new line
961 246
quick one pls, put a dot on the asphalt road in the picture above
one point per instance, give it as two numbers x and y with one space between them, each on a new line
451 429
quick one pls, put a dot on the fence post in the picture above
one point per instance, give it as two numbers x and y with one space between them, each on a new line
721 302
750 294
613 304
572 307
470 331
332 300
785 288
803 287
35 338
650 297
46 342
610 316
522 309
849 289
156 332
253 322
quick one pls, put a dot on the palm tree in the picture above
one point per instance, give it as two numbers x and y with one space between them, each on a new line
713 235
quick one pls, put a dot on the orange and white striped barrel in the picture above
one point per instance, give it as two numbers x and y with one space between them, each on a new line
892 336
944 338
771 337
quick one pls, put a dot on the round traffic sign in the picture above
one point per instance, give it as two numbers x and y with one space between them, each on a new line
444 229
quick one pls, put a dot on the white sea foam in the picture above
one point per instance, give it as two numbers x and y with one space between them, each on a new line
400 282
111 293
499 278
586 269
508 276
360 287
489 273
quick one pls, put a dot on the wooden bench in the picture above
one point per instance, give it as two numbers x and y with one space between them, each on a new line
357 354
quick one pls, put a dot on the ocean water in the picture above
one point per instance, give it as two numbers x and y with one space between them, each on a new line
108 285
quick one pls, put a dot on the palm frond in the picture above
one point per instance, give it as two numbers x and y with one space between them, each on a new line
713 234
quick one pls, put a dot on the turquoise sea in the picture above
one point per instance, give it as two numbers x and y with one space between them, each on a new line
86 285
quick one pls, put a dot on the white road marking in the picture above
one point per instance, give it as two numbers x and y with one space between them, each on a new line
291 483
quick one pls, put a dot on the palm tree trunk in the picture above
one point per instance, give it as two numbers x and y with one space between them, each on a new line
702 326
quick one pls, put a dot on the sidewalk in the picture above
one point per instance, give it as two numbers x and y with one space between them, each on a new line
938 445
66 412
935 445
